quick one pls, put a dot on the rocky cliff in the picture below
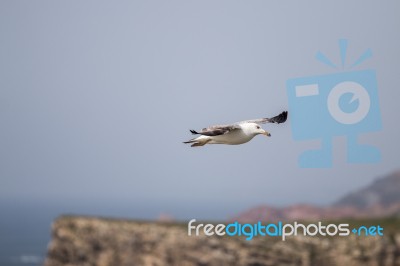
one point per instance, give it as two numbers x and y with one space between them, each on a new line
88 241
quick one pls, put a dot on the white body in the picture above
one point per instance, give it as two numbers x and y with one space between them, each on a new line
238 136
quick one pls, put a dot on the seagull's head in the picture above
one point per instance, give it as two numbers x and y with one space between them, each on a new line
256 129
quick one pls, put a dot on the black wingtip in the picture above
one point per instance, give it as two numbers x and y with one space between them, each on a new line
194 132
281 118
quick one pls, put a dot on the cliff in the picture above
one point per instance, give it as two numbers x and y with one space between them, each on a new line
81 241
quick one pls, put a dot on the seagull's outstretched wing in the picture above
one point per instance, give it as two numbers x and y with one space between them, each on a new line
281 118
217 130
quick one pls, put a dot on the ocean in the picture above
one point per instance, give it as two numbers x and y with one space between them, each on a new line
24 233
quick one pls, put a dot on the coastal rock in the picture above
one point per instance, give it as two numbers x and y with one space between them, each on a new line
84 241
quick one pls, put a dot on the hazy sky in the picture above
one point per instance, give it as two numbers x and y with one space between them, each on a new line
96 98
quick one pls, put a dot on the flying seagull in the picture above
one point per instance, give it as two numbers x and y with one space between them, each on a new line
234 134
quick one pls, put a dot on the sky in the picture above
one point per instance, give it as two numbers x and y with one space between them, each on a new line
96 98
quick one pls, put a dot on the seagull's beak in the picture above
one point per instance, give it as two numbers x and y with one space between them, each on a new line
266 134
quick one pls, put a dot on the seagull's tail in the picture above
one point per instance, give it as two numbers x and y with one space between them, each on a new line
199 141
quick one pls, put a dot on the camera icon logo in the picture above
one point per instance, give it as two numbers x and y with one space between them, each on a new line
338 104
358 92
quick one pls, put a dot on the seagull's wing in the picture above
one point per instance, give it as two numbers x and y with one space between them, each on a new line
281 118
217 130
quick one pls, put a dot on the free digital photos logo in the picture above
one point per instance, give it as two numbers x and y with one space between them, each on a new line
338 104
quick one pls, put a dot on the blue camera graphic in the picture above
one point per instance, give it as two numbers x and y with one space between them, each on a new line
339 104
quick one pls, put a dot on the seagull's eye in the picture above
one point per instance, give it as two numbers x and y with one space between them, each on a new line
258 127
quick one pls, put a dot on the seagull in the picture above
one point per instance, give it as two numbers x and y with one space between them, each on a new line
236 133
